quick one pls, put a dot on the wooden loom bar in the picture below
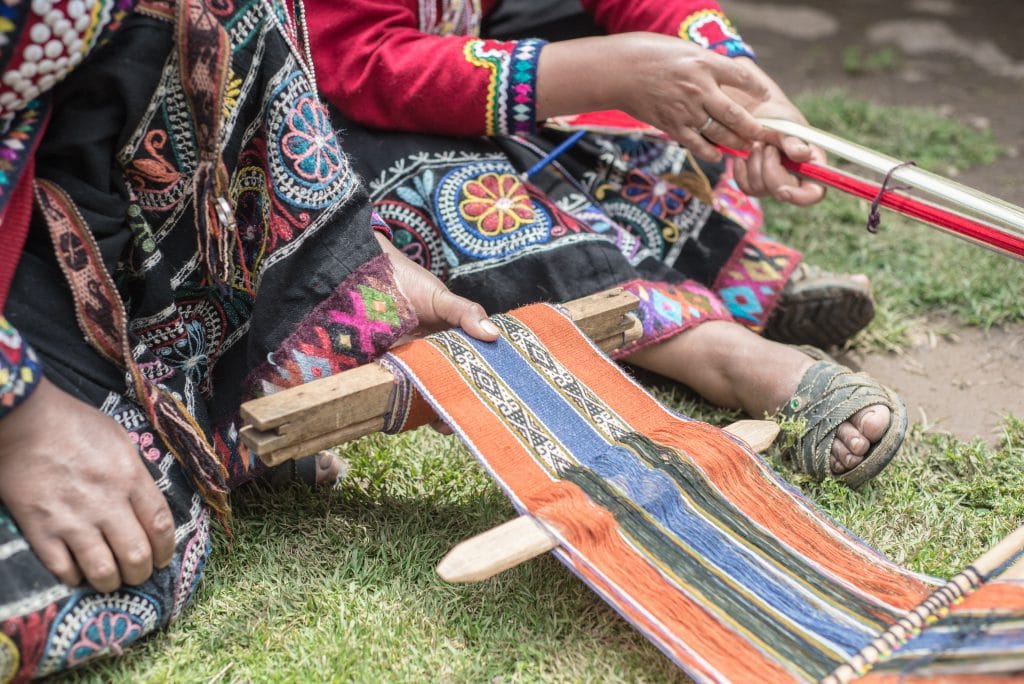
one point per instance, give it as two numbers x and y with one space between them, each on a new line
325 413
958 586
520 539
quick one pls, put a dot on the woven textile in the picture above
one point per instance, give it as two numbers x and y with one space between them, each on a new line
686 533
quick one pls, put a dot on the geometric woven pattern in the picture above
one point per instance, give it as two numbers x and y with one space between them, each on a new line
687 534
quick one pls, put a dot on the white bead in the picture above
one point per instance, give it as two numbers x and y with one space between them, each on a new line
30 93
46 66
41 7
53 49
76 58
12 77
28 69
62 64
62 27
82 23
40 33
52 17
7 99
75 46
47 82
76 8
32 53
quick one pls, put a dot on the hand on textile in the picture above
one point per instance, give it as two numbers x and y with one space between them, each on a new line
434 304
80 494
679 87
763 173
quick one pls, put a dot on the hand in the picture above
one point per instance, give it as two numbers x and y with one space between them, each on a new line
667 82
763 173
76 487
434 304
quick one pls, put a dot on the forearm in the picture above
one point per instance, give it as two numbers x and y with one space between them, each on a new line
569 81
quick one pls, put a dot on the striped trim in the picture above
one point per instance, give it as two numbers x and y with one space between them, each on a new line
512 83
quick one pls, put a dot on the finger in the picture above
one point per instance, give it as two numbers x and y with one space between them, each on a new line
131 548
154 515
697 144
755 177
456 310
739 170
95 560
721 135
796 149
779 182
739 75
732 119
54 555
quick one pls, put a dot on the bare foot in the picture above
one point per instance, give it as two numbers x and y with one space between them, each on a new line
732 367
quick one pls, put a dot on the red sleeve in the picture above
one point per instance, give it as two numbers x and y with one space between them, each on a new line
699 21
375 64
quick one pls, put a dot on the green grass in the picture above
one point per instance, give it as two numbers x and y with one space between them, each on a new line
340 586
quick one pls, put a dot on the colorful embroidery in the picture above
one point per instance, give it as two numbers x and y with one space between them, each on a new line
711 29
307 166
97 624
666 310
20 371
752 280
655 195
485 212
356 324
496 203
735 204
512 87
54 37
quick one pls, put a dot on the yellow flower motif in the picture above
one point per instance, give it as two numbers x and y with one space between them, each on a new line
496 203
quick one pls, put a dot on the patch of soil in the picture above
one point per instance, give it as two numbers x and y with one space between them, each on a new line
967 59
958 380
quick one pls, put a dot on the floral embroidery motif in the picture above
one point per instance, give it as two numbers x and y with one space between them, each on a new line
307 166
512 87
711 29
311 143
485 211
656 195
97 624
496 203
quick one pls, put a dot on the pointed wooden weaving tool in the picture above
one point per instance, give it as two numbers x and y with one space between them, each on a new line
325 413
916 619
525 537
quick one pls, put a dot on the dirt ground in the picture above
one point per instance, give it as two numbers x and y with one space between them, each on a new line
967 58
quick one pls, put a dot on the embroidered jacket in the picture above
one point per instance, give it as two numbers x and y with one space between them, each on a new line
418 65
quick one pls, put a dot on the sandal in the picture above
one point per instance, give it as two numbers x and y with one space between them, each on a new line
828 395
820 308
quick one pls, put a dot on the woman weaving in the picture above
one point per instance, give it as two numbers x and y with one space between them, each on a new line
416 88
115 446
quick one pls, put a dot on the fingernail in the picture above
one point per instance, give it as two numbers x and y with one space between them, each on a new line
801 147
488 327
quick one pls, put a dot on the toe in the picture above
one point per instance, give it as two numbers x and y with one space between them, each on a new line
852 439
328 468
872 422
839 457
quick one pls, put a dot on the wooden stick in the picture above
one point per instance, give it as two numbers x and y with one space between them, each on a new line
960 585
325 413
993 208
526 537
